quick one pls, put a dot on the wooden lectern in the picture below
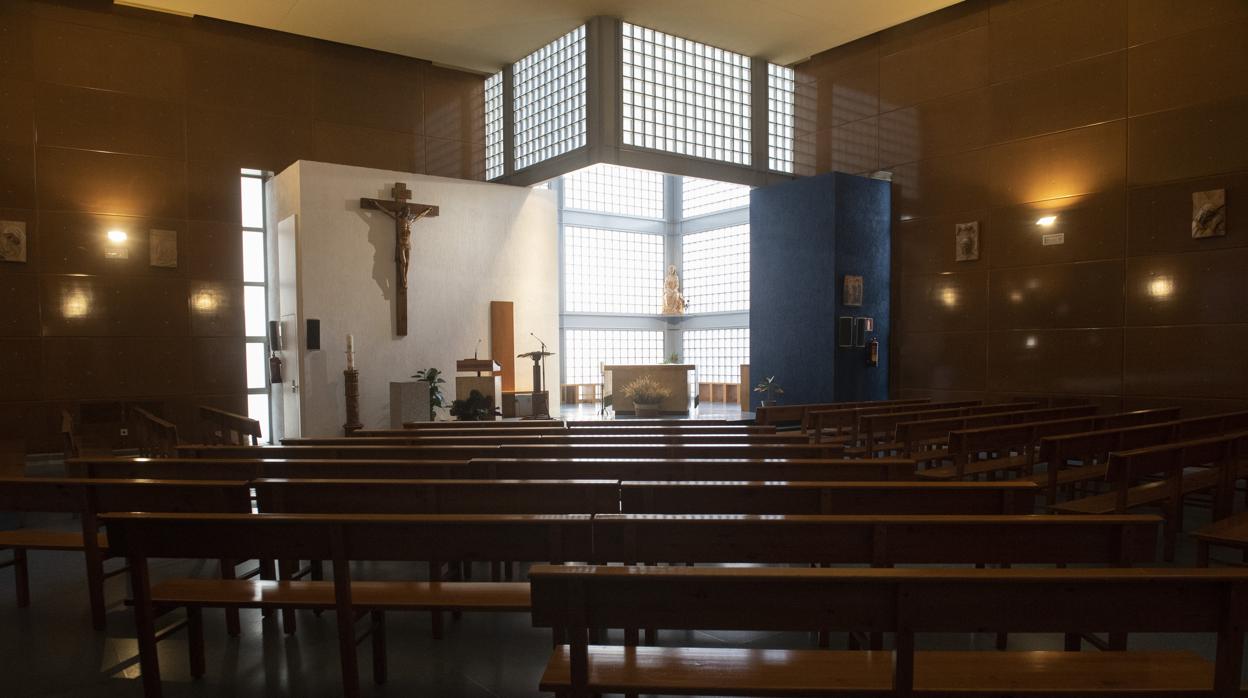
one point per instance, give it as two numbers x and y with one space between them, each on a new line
486 379
541 398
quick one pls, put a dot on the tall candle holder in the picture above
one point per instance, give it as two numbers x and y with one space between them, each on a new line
351 379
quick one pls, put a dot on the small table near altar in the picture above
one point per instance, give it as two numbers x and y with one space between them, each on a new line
674 376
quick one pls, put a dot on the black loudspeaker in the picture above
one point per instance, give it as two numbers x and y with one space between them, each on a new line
314 335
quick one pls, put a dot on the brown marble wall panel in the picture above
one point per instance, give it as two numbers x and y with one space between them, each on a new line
942 126
947 302
926 245
21 305
84 56
143 121
1084 361
1190 142
1186 289
851 147
943 360
365 147
1093 227
1160 217
941 395
1151 20
941 24
88 119
1192 361
1075 94
927 71
942 185
1189 69
71 180
1079 161
1088 294
843 84
1052 34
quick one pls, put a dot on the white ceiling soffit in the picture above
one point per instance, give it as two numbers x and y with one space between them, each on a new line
484 35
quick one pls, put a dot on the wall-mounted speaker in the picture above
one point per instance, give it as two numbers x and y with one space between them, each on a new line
314 335
275 336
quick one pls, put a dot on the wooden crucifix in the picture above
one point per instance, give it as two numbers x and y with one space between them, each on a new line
404 214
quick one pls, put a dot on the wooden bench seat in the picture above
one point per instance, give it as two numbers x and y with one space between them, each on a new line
764 497
1017 461
40 539
396 595
1230 532
1069 476
770 672
1149 493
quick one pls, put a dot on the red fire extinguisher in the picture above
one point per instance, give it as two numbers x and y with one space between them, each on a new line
873 352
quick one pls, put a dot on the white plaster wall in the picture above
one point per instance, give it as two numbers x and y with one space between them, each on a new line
490 242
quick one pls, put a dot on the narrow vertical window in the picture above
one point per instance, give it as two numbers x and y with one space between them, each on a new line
780 99
255 298
494 126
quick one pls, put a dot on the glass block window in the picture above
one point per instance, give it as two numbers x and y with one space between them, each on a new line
613 189
684 97
612 271
717 269
702 196
585 351
780 91
549 109
718 354
494 126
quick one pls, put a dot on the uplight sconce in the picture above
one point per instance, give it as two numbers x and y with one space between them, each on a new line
1046 221
117 248
117 237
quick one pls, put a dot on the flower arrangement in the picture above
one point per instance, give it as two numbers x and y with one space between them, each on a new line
646 391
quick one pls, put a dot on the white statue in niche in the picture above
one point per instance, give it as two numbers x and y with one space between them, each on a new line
673 302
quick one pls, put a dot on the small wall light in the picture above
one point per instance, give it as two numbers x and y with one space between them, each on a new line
117 236
1046 221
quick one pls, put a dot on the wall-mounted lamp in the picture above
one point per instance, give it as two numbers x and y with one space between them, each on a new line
1046 221
117 237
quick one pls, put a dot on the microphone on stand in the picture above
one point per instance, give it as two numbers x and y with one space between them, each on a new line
474 351
539 340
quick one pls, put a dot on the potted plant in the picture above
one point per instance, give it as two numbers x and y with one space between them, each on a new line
771 389
433 377
476 408
646 394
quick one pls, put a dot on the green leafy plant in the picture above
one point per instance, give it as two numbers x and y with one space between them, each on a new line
769 388
646 391
433 377
673 359
477 408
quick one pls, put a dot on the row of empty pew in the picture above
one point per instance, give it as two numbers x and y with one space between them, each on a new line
632 524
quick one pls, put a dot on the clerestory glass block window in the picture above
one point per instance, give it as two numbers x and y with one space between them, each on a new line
717 269
623 191
549 110
585 351
780 90
684 97
494 126
702 196
612 271
718 354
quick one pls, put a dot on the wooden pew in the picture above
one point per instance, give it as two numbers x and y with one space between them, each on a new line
1231 532
494 424
568 431
1012 445
700 469
464 453
340 539
221 427
573 438
860 498
779 414
840 425
881 540
87 499
1092 448
1186 467
252 469
877 433
154 436
573 600
384 496
652 422
928 440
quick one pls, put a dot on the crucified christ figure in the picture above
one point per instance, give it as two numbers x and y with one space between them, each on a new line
404 214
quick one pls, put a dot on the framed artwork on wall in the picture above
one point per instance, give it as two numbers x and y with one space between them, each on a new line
13 241
851 295
1209 213
966 242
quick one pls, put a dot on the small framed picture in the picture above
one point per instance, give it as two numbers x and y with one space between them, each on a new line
852 293
163 248
13 241
966 242
1209 213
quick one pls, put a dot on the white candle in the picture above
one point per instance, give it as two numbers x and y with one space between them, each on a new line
350 353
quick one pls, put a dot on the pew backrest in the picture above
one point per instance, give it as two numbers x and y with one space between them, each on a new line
842 498
328 496
251 469
880 469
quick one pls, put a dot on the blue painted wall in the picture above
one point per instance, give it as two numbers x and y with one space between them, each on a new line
805 235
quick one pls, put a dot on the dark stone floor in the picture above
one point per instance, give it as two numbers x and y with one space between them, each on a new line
50 649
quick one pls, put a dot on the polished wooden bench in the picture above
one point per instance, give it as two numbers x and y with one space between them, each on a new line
841 424
465 453
569 431
779 497
574 600
882 469
513 436
1230 532
87 498
1091 449
221 427
250 469
779 414
339 539
1184 468
488 424
386 496
890 441
1012 446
